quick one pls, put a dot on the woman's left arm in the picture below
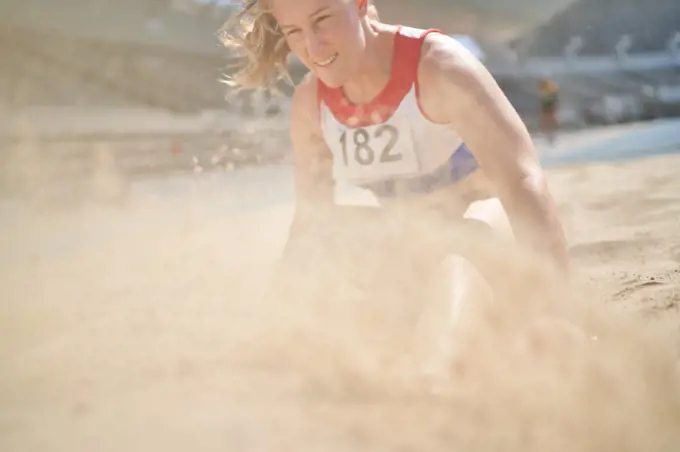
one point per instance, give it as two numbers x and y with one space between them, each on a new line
496 136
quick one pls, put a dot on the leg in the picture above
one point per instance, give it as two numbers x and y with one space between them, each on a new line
444 323
469 293
466 282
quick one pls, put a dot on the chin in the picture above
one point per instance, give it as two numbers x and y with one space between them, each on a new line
329 79
331 83
334 75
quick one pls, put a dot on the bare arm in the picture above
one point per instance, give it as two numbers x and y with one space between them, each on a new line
318 225
313 182
497 137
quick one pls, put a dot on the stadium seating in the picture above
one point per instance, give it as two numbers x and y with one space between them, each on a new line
85 71
601 24
105 52
129 53
648 88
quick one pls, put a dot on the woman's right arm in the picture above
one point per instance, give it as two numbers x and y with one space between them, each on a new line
314 200
321 230
313 160
313 163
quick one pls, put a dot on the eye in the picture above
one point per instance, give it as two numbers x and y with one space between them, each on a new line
292 32
322 18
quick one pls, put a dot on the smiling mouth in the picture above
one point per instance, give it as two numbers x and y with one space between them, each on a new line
327 61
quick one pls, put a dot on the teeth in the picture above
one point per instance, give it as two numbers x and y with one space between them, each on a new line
327 61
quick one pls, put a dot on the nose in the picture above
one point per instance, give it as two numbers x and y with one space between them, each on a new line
315 45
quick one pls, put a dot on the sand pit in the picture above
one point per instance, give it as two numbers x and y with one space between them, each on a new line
141 326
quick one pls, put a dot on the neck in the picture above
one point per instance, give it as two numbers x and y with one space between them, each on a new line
374 70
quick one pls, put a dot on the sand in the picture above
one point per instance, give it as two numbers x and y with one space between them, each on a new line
623 223
139 326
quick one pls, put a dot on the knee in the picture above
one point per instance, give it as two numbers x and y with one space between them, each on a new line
469 291
492 213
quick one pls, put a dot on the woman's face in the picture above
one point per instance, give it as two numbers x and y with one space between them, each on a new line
326 35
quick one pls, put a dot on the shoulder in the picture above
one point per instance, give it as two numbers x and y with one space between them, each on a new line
447 69
444 59
304 102
305 124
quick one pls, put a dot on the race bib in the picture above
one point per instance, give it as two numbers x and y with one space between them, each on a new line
375 151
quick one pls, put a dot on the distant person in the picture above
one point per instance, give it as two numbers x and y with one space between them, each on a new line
402 112
549 100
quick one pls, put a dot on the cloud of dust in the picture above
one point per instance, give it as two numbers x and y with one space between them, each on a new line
154 322
73 173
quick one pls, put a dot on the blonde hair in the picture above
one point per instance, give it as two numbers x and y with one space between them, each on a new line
261 48
263 51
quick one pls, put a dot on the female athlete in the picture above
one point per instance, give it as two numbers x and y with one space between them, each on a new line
402 112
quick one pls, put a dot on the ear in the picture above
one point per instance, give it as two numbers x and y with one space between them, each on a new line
362 6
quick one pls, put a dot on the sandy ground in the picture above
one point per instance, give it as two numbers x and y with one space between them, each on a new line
139 326
623 225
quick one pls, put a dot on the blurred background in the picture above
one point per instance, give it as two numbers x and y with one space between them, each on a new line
134 254
143 76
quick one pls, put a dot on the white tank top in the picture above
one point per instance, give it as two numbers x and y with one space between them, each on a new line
389 146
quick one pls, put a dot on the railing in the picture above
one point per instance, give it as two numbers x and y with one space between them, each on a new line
573 63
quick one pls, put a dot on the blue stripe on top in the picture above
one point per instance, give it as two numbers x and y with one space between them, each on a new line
459 165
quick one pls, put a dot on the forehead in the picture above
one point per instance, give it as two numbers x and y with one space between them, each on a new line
290 12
